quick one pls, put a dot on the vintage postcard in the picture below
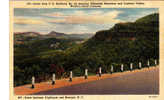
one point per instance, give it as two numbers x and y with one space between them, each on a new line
82 50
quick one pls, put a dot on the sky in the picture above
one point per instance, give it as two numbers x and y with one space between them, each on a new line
74 20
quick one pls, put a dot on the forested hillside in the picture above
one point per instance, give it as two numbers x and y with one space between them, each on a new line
122 44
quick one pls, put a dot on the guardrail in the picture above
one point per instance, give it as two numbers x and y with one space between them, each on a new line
99 73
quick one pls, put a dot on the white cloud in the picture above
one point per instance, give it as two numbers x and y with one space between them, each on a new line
134 17
81 17
30 21
56 14
42 29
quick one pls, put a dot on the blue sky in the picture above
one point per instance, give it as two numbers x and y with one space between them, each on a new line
74 20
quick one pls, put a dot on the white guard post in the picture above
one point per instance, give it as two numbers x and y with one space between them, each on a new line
111 70
155 62
33 82
53 78
122 67
86 73
148 63
70 79
131 66
100 72
140 65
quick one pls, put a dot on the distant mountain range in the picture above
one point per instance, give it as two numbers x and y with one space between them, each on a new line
54 34
32 34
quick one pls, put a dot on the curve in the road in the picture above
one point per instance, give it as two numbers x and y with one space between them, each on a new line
134 83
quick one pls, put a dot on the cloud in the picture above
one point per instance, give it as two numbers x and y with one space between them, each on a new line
81 17
28 21
74 20
56 14
76 17
25 24
134 17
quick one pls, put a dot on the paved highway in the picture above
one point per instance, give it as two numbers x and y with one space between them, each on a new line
144 82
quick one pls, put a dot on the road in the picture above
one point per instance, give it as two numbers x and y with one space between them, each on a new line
144 82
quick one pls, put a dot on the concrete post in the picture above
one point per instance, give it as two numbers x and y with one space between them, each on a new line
99 71
148 63
111 70
53 79
33 82
155 62
70 79
140 65
86 73
131 66
122 67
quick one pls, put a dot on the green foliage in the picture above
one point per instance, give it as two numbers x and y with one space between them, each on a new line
78 72
149 19
18 76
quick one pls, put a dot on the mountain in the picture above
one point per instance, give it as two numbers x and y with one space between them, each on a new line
71 36
27 34
124 43
144 26
149 19
21 37
55 34
82 36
